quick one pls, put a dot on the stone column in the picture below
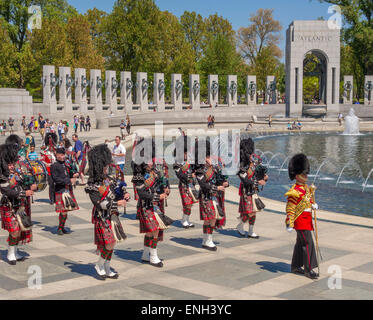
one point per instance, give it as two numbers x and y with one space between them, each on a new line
213 89
159 91
96 84
232 88
126 86
368 91
111 85
271 91
194 91
177 91
142 86
348 89
67 83
81 84
251 90
50 82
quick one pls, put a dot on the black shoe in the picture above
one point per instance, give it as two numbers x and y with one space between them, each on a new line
256 237
60 232
158 265
65 231
12 263
51 203
116 276
210 248
312 275
191 225
297 271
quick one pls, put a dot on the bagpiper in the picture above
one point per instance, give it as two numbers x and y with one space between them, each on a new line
185 173
102 190
209 208
15 206
48 156
251 178
147 182
299 207
63 180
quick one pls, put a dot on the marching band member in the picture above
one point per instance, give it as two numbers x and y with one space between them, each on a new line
248 187
49 157
146 181
185 174
209 208
63 180
298 216
15 202
221 180
102 190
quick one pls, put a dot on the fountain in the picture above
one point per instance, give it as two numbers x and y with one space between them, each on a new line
352 124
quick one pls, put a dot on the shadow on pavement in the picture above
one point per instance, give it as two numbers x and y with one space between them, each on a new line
274 267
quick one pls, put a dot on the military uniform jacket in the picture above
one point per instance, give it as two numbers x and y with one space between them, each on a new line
206 178
60 176
146 189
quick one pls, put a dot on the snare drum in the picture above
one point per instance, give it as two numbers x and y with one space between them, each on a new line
33 172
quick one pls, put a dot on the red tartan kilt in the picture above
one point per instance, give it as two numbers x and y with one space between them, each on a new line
245 207
206 209
59 203
9 223
186 199
148 223
103 235
221 197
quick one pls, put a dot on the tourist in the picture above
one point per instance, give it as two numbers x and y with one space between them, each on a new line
249 186
32 155
270 121
76 123
289 126
122 127
31 124
1 129
340 119
42 124
128 127
249 126
299 125
299 217
82 122
213 121
66 127
119 154
11 124
4 127
78 149
209 121
88 123
60 130
23 123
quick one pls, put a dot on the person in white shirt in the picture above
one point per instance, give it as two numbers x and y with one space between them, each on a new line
119 153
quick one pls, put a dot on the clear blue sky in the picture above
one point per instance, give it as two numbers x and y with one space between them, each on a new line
236 11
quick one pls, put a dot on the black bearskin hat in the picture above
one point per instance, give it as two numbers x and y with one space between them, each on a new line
247 148
8 154
98 158
53 136
181 142
208 152
14 139
141 144
298 164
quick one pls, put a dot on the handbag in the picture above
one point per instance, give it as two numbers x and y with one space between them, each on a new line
116 226
164 221
257 203
23 219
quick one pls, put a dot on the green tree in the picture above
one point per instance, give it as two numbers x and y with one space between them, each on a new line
194 30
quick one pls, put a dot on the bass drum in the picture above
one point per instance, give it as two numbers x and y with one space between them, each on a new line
34 170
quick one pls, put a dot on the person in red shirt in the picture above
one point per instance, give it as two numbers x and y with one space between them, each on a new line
299 217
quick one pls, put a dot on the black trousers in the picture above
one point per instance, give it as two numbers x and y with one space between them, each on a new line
304 254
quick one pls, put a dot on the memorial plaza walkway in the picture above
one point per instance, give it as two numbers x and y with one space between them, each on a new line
241 268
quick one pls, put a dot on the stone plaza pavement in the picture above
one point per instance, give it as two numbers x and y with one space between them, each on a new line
241 268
